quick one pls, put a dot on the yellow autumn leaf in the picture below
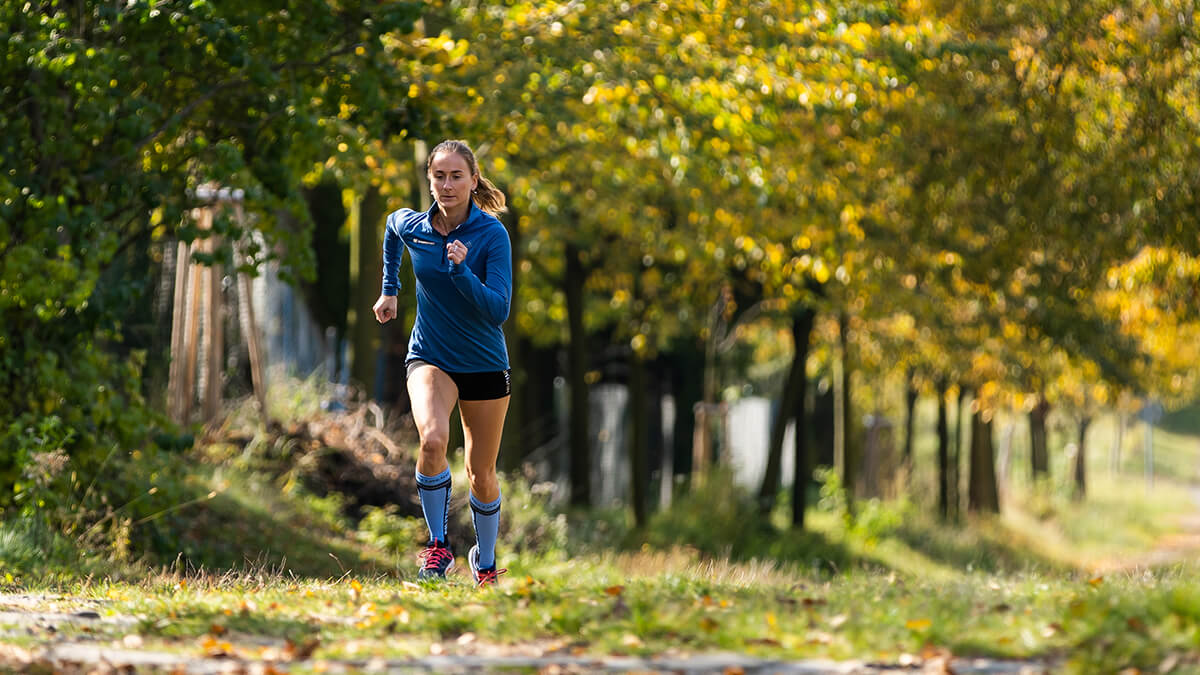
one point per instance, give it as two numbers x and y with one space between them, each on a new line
918 624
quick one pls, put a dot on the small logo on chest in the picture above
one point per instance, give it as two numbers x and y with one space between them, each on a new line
425 242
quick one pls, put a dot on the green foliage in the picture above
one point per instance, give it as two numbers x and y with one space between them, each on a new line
383 528
117 115
530 523
718 518
28 546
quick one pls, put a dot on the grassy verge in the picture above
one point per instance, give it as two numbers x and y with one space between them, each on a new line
663 602
1051 579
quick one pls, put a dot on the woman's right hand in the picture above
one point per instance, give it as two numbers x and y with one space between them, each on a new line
385 308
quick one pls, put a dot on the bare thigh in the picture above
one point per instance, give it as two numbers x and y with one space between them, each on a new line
483 424
433 395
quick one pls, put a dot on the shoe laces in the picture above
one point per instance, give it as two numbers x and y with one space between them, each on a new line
435 557
489 577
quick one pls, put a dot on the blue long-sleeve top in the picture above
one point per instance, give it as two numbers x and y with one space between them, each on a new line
460 308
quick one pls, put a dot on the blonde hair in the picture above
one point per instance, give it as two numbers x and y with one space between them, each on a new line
486 196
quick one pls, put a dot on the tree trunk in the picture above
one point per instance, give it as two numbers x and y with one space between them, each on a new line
793 391
1039 457
910 409
702 436
1081 458
1114 459
687 386
655 442
850 459
802 328
943 452
956 456
577 354
515 442
823 437
983 495
638 469
366 239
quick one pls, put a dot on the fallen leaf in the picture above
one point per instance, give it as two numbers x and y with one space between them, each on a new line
929 652
937 666
765 642
918 624
1052 630
300 652
631 640
1096 581
734 670
216 649
615 590
708 625
1136 624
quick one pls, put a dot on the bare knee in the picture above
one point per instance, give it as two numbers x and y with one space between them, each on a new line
484 483
433 447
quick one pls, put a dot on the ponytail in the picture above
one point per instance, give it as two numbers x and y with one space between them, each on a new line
489 198
486 196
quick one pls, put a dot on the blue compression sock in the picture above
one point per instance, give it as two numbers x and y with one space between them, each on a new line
435 502
486 517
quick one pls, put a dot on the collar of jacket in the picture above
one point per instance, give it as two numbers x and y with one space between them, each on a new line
474 213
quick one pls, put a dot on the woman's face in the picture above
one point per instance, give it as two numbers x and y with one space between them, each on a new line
451 179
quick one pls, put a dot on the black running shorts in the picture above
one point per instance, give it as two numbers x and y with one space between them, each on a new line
472 386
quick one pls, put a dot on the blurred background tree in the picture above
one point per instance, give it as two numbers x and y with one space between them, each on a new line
844 206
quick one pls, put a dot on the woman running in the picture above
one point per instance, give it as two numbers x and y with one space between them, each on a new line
462 261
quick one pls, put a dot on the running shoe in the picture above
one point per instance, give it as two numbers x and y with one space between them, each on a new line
483 577
436 560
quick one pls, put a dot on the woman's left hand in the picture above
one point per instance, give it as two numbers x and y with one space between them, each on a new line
456 251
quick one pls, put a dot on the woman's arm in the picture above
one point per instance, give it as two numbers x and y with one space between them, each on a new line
491 298
393 253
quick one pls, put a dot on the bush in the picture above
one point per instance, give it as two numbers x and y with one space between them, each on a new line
719 519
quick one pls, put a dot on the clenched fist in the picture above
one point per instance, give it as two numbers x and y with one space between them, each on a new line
456 251
385 308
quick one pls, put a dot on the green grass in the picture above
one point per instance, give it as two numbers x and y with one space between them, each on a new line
268 571
650 603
